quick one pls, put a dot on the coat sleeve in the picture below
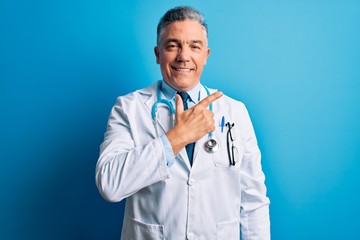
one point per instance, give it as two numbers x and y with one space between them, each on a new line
255 221
125 167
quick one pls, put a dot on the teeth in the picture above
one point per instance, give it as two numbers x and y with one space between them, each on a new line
183 69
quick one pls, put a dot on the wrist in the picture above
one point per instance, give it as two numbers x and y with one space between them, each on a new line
176 140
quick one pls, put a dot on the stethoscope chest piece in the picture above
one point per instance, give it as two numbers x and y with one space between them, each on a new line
211 145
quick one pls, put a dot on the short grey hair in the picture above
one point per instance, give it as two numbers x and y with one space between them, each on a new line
180 14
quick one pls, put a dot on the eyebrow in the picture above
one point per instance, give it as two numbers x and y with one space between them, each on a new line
197 42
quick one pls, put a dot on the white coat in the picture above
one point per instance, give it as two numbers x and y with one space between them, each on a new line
210 200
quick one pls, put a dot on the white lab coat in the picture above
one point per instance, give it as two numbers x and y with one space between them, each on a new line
210 200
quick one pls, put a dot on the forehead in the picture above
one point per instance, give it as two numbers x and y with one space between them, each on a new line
185 30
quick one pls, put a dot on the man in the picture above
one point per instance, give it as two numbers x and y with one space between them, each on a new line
198 177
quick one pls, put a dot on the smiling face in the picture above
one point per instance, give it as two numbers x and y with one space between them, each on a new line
182 53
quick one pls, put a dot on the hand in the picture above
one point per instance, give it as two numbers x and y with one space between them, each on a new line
192 124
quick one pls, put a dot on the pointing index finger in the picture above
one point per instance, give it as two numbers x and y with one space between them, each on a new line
209 99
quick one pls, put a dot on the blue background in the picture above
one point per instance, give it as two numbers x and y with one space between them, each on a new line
295 64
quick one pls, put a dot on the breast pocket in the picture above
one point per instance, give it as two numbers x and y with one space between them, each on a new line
231 148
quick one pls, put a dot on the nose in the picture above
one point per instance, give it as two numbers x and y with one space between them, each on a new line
183 54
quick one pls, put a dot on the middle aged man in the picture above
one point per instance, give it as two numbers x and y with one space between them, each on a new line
198 177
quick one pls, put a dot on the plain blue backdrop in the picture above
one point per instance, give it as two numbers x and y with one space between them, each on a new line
295 64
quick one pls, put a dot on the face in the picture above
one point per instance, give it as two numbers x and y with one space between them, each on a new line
182 53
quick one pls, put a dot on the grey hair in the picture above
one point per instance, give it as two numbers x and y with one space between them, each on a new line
180 14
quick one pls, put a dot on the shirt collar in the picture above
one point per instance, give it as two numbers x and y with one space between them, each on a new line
195 94
169 92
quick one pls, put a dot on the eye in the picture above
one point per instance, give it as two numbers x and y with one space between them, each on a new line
195 47
171 47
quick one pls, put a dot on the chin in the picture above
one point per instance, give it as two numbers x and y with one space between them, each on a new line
184 86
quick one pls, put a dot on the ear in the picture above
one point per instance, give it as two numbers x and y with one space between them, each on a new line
157 54
207 55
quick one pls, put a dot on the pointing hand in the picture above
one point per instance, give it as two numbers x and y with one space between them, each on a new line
193 123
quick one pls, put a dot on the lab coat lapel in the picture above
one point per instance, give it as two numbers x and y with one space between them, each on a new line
184 157
163 114
202 159
199 148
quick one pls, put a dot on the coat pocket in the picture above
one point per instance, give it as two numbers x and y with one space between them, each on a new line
229 230
134 230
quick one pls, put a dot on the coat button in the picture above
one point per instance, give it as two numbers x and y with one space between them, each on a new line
191 182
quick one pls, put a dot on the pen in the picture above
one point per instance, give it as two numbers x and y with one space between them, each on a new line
222 123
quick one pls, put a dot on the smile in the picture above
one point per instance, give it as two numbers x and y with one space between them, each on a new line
182 69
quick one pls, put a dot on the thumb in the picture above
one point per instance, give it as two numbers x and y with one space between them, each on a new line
179 105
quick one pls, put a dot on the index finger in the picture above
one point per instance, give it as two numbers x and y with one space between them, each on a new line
209 99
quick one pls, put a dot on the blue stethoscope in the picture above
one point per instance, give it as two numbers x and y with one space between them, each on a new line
210 146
